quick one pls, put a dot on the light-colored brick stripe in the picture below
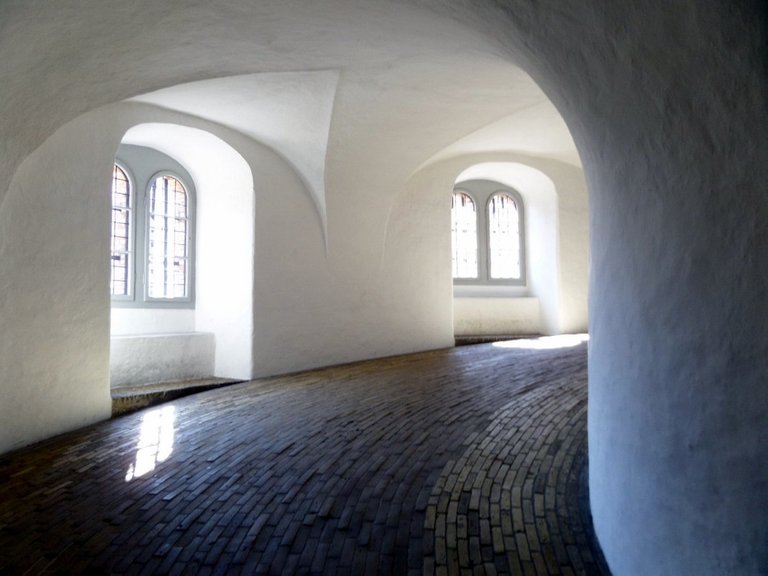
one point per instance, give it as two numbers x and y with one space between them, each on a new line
510 503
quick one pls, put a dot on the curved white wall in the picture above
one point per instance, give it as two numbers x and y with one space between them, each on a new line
324 289
54 288
666 102
288 111
678 402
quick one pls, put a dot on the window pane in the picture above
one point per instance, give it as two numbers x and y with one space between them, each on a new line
120 240
120 188
503 237
464 236
168 239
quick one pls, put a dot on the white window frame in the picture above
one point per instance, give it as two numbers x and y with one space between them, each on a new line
188 298
139 229
481 192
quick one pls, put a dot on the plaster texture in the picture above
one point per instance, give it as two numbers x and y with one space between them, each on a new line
133 321
155 358
678 348
54 300
664 101
288 111
496 316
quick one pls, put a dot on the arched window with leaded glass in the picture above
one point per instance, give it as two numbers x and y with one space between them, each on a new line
168 239
121 241
488 246
464 235
504 242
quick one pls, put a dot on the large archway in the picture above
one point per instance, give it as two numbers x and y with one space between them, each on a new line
663 102
212 332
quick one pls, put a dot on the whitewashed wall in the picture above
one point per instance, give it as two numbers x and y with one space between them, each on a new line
678 341
665 101
152 358
496 316
54 299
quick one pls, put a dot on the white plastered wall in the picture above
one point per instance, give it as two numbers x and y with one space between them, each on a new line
54 299
494 315
132 321
324 289
138 360
356 299
664 102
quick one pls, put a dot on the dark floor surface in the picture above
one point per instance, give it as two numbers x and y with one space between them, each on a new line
463 461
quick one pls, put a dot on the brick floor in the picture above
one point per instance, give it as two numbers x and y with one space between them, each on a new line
463 461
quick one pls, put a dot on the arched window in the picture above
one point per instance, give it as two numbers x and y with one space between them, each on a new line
152 251
122 234
503 237
167 239
464 235
487 247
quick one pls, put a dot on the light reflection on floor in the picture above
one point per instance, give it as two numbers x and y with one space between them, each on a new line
545 343
155 441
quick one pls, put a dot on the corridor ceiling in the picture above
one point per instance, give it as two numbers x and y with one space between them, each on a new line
325 83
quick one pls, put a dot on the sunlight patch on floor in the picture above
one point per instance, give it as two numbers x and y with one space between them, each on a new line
155 441
545 342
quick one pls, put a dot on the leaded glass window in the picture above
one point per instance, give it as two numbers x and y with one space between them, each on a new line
464 235
503 237
167 239
487 245
121 259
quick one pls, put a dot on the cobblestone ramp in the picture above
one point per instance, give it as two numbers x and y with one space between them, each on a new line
516 500
451 461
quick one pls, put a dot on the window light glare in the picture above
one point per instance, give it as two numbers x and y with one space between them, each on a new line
545 342
464 236
155 444
503 237
168 212
487 234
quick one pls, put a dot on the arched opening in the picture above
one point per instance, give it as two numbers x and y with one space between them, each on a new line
523 296
677 168
185 313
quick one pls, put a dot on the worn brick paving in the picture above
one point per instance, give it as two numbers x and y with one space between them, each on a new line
461 461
